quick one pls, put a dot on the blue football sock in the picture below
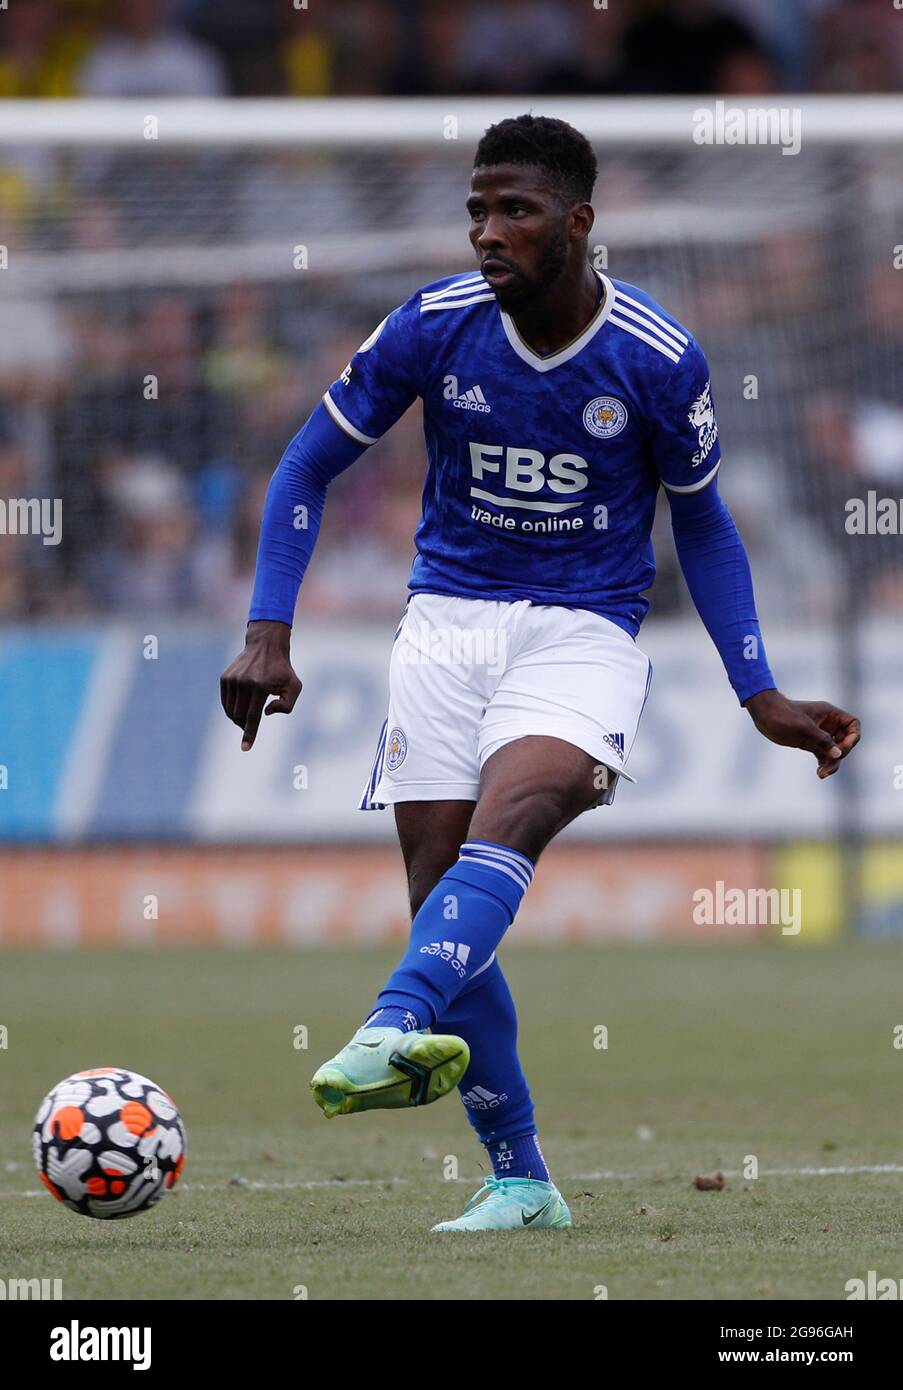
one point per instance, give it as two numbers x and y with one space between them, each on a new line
518 1157
393 1017
494 1089
458 928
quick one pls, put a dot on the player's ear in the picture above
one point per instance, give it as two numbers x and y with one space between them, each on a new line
580 221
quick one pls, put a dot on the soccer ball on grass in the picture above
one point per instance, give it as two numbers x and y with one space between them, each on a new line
108 1143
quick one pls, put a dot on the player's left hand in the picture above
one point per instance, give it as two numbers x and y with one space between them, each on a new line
820 728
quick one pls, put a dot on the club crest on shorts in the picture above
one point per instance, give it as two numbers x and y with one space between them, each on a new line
396 750
605 416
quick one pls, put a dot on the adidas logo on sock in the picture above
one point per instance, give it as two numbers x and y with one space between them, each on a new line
456 954
480 1099
473 400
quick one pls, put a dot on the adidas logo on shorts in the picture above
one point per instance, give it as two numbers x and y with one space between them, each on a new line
615 741
455 954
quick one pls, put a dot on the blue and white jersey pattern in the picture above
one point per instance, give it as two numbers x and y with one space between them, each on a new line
543 469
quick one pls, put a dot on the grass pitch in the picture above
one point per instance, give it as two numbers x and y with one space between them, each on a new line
714 1054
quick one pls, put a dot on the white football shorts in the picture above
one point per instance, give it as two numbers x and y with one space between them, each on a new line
467 676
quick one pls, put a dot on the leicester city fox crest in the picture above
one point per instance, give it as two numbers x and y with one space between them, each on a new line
605 416
396 749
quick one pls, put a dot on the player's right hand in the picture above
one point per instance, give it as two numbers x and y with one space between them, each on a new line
261 670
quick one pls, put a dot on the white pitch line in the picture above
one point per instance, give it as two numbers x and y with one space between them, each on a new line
738 1173
602 1176
828 1172
253 1186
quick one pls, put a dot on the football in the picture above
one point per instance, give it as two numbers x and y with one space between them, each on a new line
108 1142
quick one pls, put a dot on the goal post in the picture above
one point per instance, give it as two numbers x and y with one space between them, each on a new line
380 122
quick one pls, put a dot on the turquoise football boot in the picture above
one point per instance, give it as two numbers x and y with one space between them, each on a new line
387 1069
512 1204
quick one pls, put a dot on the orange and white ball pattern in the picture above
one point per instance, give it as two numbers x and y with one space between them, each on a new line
108 1142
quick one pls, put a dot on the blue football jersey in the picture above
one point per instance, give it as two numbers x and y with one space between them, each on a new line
543 469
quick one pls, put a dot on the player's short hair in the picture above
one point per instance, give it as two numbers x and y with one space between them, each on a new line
564 155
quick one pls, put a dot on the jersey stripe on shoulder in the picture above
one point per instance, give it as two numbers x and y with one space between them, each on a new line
670 340
651 314
459 303
646 337
458 286
642 322
467 289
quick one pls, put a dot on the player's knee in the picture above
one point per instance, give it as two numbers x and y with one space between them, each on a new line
422 879
522 817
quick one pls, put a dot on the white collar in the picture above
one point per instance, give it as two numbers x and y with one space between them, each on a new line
555 359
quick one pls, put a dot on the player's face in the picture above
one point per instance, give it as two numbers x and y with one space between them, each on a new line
519 231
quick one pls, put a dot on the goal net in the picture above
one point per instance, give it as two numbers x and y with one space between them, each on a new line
182 280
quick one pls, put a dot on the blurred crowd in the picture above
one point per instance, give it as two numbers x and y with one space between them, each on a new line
158 418
158 411
157 354
202 48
